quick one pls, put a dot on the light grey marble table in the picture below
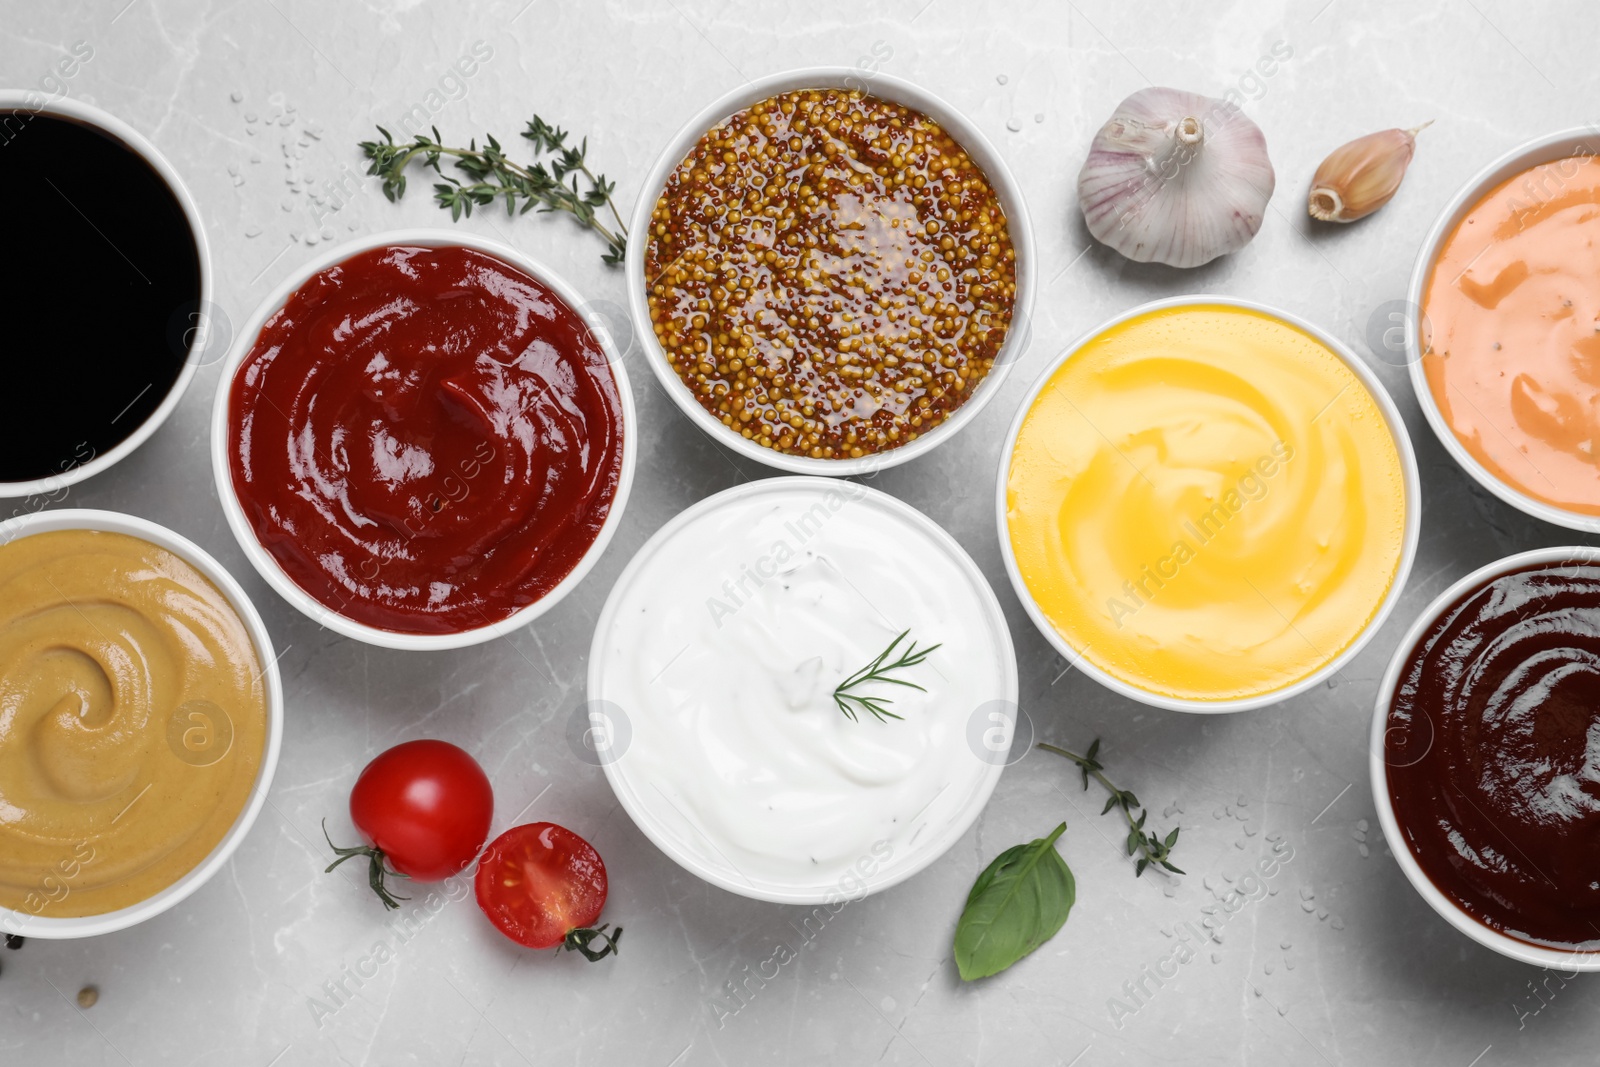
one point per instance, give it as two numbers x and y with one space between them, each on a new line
1339 962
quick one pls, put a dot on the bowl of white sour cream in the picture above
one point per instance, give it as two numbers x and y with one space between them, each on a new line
722 671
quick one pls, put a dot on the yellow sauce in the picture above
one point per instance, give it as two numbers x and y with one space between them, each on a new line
132 721
1206 503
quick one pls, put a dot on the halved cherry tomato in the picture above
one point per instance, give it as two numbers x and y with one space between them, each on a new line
422 806
542 885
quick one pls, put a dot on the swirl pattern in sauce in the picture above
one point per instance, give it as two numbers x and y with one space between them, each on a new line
427 440
132 721
1493 753
1206 502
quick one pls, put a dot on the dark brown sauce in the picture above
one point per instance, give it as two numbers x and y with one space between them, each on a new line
1493 753
101 276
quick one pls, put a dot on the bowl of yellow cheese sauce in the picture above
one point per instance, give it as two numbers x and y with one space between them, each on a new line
1208 505
140 719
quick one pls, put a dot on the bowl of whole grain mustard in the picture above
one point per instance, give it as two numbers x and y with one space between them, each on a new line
830 271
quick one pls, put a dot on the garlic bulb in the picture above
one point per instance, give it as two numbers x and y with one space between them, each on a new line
1175 177
1358 178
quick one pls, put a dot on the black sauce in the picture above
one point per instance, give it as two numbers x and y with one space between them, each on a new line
101 275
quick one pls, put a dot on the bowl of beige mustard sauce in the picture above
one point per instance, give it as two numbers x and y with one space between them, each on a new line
140 719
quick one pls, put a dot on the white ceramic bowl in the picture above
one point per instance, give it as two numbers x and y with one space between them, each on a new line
648 806
1515 948
48 927
263 561
1581 141
117 130
967 135
1413 494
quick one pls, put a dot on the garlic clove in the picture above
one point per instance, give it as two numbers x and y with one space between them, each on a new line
1176 177
1360 177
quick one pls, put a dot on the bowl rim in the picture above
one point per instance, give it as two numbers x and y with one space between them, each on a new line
972 140
1504 944
47 927
264 562
1408 550
14 100
936 845
1580 140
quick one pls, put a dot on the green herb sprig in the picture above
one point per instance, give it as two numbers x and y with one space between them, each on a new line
492 176
1152 848
879 670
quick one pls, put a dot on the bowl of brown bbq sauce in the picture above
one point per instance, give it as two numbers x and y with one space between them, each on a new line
110 279
1486 756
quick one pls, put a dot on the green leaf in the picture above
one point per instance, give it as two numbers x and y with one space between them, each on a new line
1017 904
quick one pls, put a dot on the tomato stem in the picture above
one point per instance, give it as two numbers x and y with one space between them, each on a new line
580 939
377 868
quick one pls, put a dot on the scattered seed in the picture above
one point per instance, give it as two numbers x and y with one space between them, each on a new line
1288 964
88 996
1363 826
1001 78
1216 957
1040 118
1365 851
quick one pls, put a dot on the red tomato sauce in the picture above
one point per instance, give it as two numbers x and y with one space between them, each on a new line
427 440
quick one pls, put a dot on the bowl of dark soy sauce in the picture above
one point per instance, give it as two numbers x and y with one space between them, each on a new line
107 286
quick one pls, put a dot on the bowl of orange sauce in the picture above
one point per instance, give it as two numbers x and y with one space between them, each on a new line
1505 353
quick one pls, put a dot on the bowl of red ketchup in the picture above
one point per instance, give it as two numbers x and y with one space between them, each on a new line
423 439
1486 757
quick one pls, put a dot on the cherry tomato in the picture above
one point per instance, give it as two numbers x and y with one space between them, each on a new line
423 808
542 885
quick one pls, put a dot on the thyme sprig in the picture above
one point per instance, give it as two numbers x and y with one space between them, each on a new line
1152 848
879 670
492 175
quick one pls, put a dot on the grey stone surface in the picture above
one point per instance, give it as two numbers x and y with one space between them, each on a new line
1339 962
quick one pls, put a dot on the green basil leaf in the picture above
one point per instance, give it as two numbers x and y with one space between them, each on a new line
1017 904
